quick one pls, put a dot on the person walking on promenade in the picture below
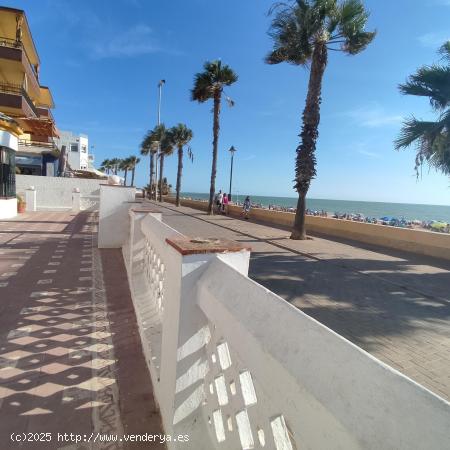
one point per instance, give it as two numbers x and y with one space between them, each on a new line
225 204
246 207
218 201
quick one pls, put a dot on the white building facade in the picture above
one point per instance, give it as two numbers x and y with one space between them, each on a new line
77 147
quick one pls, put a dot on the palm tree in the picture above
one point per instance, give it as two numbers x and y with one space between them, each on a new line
115 162
106 166
149 146
208 85
181 135
165 149
124 165
432 138
302 34
133 161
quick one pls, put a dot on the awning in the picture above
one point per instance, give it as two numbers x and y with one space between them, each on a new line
39 126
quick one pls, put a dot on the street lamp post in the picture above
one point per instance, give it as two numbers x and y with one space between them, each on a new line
160 85
232 150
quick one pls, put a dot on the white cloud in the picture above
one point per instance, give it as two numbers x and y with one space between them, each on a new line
373 116
369 154
434 39
138 40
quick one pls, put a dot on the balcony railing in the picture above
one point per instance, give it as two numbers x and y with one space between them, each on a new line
17 89
41 144
12 43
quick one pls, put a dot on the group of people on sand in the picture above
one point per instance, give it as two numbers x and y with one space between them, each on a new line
222 200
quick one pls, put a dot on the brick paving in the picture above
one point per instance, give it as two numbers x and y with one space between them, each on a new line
394 305
70 355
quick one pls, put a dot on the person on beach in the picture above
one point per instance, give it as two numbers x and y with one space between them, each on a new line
246 207
225 204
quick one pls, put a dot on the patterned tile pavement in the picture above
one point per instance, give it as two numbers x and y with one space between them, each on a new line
65 323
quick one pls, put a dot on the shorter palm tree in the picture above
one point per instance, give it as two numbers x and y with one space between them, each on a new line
166 149
133 161
115 163
149 146
181 135
105 166
124 165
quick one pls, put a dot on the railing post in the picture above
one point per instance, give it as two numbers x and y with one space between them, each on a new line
30 199
185 332
76 200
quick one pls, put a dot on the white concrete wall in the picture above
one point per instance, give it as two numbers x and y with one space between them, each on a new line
84 143
115 201
56 193
8 208
7 139
233 365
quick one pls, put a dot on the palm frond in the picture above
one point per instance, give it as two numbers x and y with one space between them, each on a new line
352 23
444 50
214 77
430 81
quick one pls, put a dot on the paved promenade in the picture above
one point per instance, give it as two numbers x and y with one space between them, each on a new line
394 305
70 355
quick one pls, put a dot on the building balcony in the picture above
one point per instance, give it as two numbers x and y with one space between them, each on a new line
15 101
14 53
37 147
45 113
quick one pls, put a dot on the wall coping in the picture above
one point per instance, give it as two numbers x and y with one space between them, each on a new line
198 245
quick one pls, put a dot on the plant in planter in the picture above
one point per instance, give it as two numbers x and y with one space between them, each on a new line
20 204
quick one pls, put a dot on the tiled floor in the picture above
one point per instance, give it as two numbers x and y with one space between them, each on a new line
61 331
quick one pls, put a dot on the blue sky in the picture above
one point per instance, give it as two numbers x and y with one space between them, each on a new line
103 59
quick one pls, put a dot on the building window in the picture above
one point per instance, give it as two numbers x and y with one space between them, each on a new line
74 147
7 172
83 149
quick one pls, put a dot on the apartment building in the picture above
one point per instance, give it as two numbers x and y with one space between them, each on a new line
77 149
23 98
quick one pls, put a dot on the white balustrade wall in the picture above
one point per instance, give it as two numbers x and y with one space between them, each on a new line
55 193
234 366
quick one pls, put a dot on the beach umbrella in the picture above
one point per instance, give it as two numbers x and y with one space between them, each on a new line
439 226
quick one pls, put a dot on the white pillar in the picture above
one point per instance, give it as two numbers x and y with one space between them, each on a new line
183 321
76 200
115 201
30 199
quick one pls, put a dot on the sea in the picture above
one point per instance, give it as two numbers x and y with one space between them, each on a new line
369 209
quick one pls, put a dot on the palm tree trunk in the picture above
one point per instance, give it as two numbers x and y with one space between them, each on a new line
305 167
179 172
125 177
216 128
152 172
132 176
161 168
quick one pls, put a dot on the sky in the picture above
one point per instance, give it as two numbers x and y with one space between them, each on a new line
102 60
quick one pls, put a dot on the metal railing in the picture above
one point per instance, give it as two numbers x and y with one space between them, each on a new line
17 89
12 43
30 143
7 173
